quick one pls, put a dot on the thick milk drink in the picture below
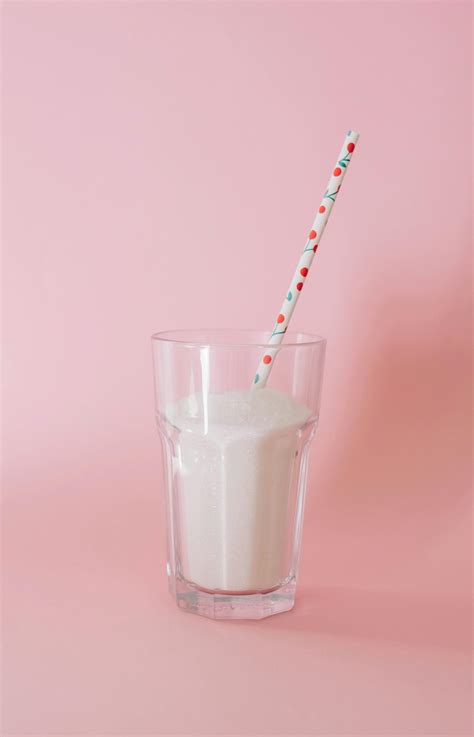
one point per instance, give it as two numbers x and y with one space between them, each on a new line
233 472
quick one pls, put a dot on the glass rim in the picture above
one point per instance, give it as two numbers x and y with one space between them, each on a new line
183 337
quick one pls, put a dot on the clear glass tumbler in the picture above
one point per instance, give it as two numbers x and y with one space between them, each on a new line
236 460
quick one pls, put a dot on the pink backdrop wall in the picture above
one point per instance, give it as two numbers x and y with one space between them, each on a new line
162 164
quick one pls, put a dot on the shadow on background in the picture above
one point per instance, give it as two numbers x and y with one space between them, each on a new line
398 618
405 428
386 539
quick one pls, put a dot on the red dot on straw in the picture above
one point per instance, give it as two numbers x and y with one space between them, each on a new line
303 271
315 248
299 286
281 318
322 209
267 359
350 147
312 235
337 171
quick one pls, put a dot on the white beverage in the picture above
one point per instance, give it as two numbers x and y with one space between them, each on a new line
234 468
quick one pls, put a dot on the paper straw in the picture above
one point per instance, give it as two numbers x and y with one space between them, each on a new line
306 259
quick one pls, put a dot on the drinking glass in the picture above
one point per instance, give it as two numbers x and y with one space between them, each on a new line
235 466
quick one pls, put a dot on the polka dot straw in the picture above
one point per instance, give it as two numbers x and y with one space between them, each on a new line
306 258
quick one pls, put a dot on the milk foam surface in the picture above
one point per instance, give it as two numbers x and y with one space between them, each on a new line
260 409
234 468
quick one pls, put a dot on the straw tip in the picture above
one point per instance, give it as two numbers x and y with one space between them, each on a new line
353 134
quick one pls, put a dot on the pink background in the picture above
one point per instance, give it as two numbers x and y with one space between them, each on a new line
162 165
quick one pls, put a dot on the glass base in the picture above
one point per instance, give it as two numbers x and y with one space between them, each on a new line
215 605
